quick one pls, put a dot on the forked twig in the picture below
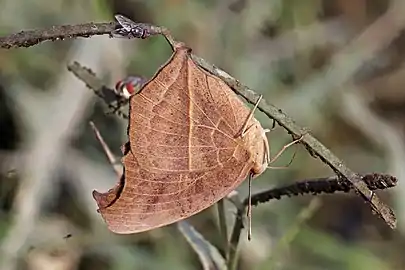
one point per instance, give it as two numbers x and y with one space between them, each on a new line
329 185
317 186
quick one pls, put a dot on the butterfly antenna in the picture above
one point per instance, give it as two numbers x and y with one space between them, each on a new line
245 127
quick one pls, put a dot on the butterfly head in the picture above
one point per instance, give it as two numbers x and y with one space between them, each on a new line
129 86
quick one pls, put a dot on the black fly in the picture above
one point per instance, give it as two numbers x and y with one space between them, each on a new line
129 29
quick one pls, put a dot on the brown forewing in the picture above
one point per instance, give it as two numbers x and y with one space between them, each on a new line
185 153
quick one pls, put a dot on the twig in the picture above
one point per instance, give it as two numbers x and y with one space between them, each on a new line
111 158
33 37
106 94
223 228
328 185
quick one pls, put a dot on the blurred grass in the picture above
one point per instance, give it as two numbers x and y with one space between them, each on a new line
264 45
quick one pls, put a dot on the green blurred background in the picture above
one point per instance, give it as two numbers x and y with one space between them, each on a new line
294 52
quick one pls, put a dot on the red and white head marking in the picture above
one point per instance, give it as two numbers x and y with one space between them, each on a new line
129 86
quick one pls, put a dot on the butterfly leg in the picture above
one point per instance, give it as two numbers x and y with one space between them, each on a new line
116 109
123 90
245 129
285 147
267 156
249 208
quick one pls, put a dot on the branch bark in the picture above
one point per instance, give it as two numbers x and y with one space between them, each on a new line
32 37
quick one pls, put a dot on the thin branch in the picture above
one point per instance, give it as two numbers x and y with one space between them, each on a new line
110 156
329 185
317 186
102 91
33 37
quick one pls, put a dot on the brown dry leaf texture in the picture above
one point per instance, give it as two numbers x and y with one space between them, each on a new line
184 151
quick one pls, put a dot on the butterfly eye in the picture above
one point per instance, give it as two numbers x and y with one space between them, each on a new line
129 86
127 90
124 89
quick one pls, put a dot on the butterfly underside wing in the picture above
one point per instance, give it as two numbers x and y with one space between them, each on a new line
184 152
